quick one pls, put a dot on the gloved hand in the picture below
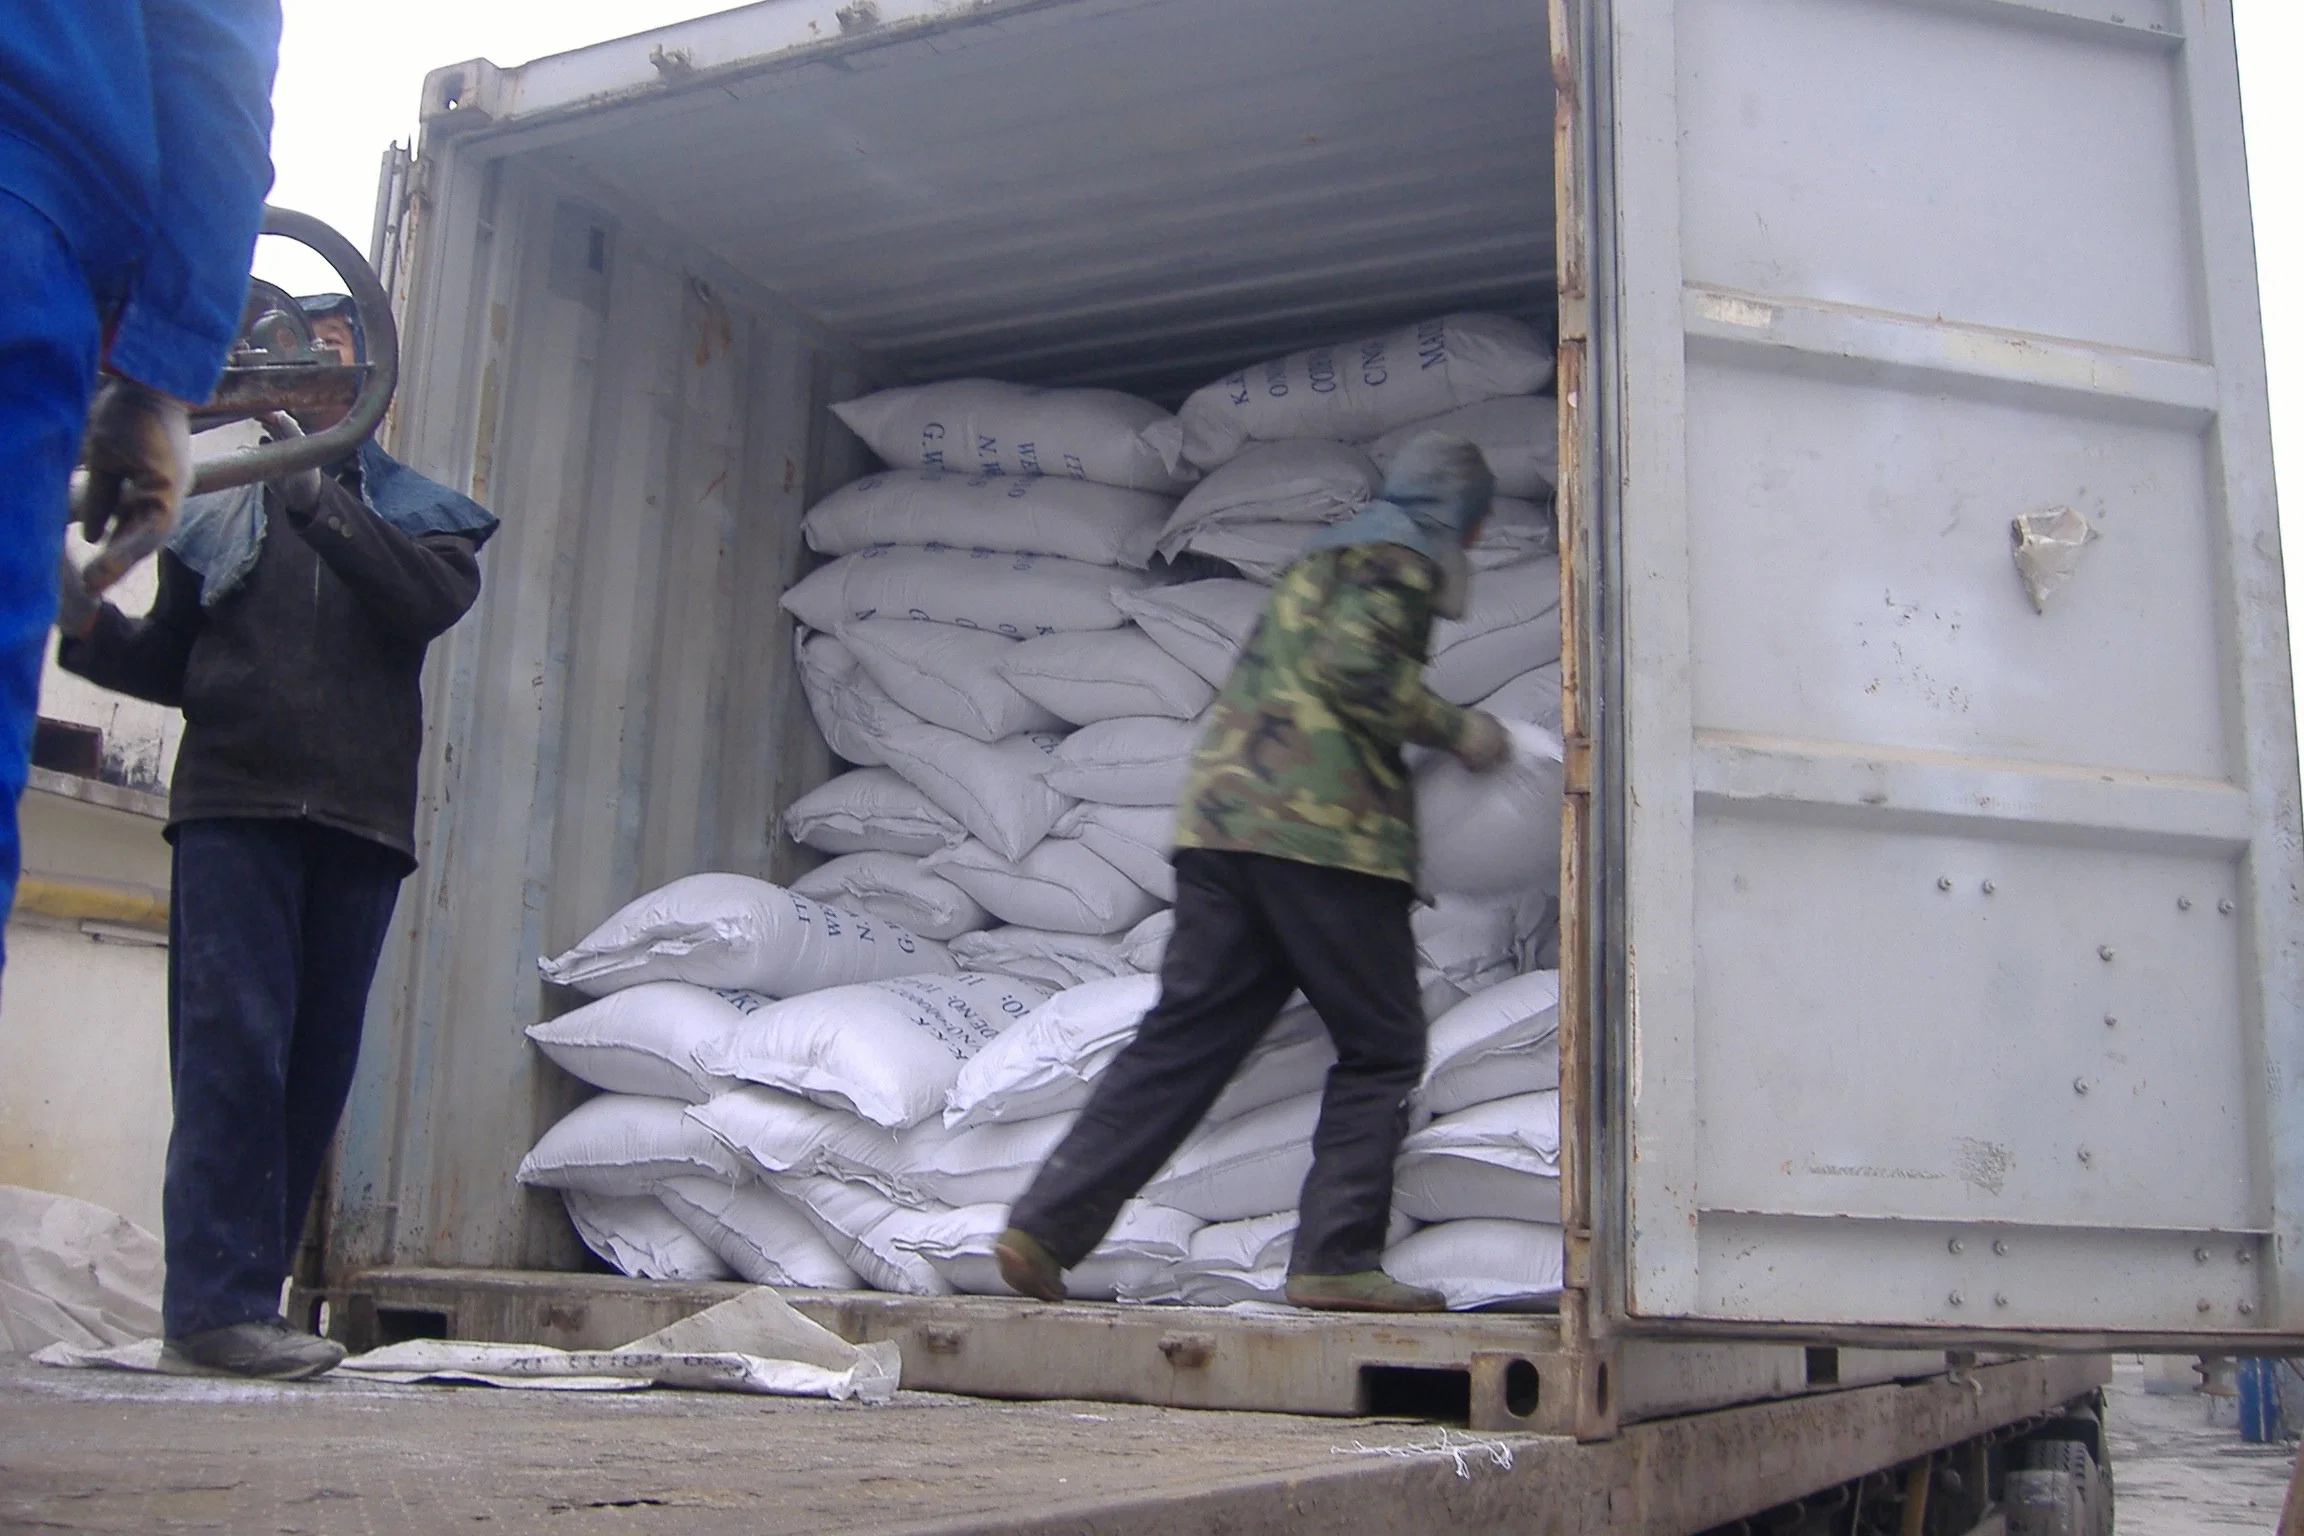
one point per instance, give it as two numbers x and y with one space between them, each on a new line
139 455
76 610
300 492
1486 746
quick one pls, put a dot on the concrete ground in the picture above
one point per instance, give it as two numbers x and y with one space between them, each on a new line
2180 1475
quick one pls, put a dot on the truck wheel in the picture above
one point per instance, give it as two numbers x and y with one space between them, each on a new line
2091 1484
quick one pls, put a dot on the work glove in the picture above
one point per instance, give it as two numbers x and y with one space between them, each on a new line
76 610
139 458
1485 745
299 493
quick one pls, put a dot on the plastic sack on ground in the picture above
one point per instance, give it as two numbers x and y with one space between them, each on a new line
1057 960
759 1233
852 712
1060 886
639 1236
643 1039
1043 1065
1499 1159
1519 436
1302 481
1482 1263
624 1144
895 888
946 675
1015 514
1485 834
995 790
887 1050
1203 624
1014 595
1358 390
1511 625
871 810
1138 760
1137 840
1251 1166
989 427
74 1274
720 930
1500 1042
1085 678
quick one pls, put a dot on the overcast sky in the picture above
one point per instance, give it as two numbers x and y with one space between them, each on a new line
350 77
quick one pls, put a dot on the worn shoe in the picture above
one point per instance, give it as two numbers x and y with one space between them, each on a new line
1370 1290
267 1349
1028 1267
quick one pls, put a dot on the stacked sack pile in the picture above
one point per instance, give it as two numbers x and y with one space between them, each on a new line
1014 643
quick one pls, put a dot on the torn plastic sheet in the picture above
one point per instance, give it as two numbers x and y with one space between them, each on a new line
73 1273
754 1343
2048 549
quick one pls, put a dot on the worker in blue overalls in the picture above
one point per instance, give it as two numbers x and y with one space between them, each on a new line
135 153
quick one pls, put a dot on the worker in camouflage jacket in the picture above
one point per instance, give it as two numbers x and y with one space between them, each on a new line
1295 869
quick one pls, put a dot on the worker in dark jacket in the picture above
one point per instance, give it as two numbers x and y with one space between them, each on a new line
134 158
290 627
1295 869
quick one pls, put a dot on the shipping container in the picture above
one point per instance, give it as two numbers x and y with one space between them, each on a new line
1931 964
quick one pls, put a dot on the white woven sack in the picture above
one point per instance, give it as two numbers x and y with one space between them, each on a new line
1501 1042
1468 940
1146 944
1085 678
1291 1061
1484 834
888 1050
1017 514
1203 624
1137 760
988 427
863 1228
995 791
624 1144
1499 1159
1514 533
852 712
1262 552
1359 390
1059 886
894 888
1251 1166
643 1039
1235 1261
1302 481
1533 696
641 1237
1014 595
1519 436
1137 840
946 675
1511 625
774 1132
984 1164
720 930
760 1234
1145 1239
872 810
1482 1263
1057 960
1043 1065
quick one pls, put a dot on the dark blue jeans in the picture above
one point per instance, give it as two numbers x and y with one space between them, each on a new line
274 932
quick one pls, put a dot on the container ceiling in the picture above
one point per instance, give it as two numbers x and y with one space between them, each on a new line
1132 192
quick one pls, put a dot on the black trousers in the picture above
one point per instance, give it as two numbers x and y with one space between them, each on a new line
274 931
1251 930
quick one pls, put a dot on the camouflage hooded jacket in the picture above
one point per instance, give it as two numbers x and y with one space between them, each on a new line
1301 758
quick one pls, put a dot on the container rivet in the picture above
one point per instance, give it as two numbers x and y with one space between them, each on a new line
2087 1156
1943 882
2202 1306
2104 952
2246 1257
1957 1246
2225 906
2247 1309
2111 1021
1999 1298
1990 887
2080 1085
1959 1300
2000 1246
2200 1255
2183 903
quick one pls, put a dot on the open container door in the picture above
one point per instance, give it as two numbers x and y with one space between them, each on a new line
1956 968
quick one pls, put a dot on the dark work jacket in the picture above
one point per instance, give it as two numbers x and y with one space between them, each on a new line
301 688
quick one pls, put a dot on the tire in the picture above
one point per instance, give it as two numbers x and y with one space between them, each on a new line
2072 1456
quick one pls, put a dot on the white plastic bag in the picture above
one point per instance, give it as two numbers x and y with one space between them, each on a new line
872 810
1533 696
996 791
1483 834
1137 840
1014 595
895 888
1085 678
1499 1159
1136 760
888 1050
1511 625
1290 1062
1016 514
1496 1044
641 1237
643 1039
1059 886
1043 1064
863 1228
946 675
74 1275
1301 481
1482 1263
1146 944
779 1133
985 1164
624 1144
988 427
1519 436
759 1233
1235 1261
733 931
1145 1239
1251 1166
1515 532
1057 960
1359 390
1203 624
852 712
1469 941
1262 552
